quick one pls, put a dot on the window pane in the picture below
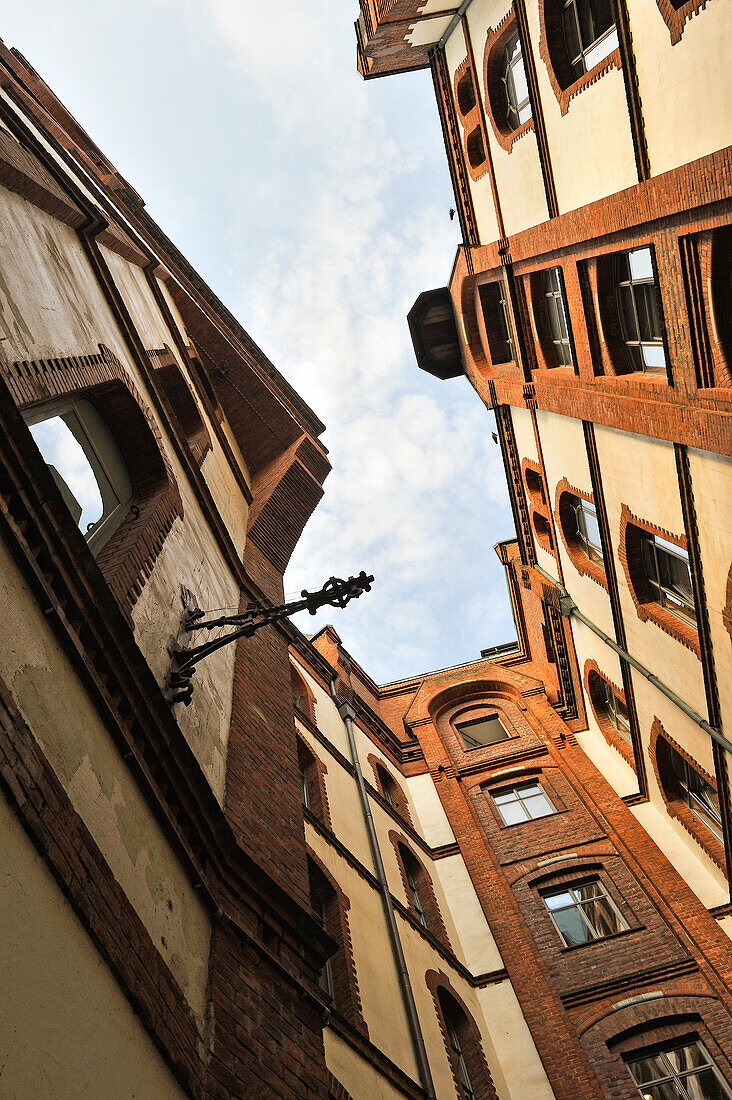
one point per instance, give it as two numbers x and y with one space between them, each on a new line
591 525
518 72
70 467
654 357
705 1086
504 796
603 918
481 731
667 1091
570 32
687 1057
556 901
641 266
525 113
513 813
588 890
627 313
601 50
538 806
572 927
675 573
648 1069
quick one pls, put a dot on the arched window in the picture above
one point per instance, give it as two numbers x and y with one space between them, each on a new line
465 93
555 313
419 889
682 781
462 1043
86 464
312 783
338 976
515 89
391 792
680 1068
580 523
606 701
495 319
666 570
589 33
638 310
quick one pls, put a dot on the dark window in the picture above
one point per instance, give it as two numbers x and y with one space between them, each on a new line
495 317
82 455
535 483
475 147
556 317
678 1071
666 568
526 802
457 1050
583 912
466 93
692 788
325 978
616 711
516 100
414 891
586 529
589 33
481 731
638 310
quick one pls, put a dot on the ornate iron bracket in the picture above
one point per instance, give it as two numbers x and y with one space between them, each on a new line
184 657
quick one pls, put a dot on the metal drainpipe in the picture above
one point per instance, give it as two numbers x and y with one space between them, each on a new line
569 608
347 714
453 23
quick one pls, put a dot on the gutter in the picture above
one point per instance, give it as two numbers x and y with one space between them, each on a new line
453 23
569 609
347 714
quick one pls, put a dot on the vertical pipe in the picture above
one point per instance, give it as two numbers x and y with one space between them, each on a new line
347 714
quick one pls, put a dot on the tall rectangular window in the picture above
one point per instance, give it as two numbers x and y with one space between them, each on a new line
583 912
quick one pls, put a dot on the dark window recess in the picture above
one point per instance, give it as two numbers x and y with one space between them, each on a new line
525 802
677 1071
684 781
666 569
583 912
556 317
535 483
325 978
638 310
585 527
481 731
616 711
462 1066
589 33
475 146
516 102
543 529
465 93
495 317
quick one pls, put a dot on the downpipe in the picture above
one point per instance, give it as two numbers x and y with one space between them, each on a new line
347 714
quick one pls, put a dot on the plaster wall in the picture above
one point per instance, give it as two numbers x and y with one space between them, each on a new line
430 816
154 333
480 189
48 962
667 73
356 1075
700 874
521 1069
641 472
100 786
591 148
328 719
475 944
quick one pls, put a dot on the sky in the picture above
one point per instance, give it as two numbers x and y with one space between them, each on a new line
316 207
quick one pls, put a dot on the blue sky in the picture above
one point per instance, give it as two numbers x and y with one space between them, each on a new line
316 207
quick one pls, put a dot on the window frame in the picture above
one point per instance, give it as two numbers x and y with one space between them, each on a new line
684 776
652 547
675 1078
617 712
512 106
580 509
579 62
493 303
476 721
578 905
561 345
515 789
637 287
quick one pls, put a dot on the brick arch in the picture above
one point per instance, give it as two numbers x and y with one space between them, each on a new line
580 560
346 993
607 729
495 43
314 771
399 799
441 988
677 15
433 915
302 696
128 556
629 553
471 123
553 53
676 807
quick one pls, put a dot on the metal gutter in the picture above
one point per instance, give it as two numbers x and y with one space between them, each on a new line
347 714
569 609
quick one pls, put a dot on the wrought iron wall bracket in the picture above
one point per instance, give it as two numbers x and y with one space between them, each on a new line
184 656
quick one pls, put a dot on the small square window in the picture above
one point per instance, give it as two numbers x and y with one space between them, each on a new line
526 802
481 731
583 912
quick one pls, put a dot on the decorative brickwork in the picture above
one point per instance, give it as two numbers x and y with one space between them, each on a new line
538 504
629 553
565 522
454 1017
335 903
410 865
676 13
675 805
127 558
553 53
390 789
469 116
495 44
598 703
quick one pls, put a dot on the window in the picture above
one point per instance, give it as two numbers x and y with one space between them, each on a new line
666 569
312 783
415 893
692 788
475 147
534 484
589 33
304 784
556 317
616 710
325 978
85 462
516 102
638 310
525 802
583 912
462 1066
465 93
586 529
495 318
676 1071
481 731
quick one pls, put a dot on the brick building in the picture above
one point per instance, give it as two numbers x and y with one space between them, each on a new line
507 879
